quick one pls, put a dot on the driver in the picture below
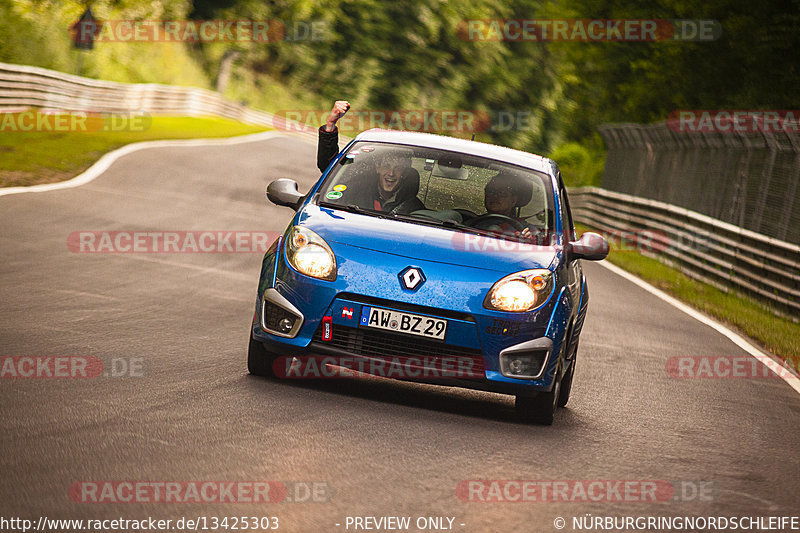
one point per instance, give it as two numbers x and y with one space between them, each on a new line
395 181
504 195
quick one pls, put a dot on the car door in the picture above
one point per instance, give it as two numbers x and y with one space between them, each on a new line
572 269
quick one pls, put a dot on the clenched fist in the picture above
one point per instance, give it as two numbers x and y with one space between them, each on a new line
340 107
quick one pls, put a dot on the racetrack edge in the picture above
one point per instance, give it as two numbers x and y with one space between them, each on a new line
101 165
775 365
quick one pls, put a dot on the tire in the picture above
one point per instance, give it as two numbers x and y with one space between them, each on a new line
259 360
566 385
539 409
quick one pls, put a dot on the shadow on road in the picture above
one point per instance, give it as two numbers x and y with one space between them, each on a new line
454 400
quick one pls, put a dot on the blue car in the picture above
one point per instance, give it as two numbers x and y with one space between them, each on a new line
432 259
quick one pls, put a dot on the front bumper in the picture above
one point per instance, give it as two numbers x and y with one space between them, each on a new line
475 336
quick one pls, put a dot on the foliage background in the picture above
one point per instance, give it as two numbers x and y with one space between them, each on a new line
408 54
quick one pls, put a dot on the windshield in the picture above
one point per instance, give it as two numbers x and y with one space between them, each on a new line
436 187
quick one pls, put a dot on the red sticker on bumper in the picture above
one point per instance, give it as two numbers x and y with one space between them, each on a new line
327 328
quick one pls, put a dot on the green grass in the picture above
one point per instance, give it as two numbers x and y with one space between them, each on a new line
29 158
778 335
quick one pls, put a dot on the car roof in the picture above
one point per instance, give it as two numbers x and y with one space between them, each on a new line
463 146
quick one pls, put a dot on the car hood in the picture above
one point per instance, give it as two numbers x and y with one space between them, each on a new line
424 242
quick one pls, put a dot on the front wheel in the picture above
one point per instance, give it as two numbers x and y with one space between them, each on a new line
539 409
259 360
566 387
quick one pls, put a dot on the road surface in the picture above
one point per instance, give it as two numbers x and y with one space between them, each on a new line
377 448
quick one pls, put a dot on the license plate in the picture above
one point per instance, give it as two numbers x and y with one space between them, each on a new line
423 326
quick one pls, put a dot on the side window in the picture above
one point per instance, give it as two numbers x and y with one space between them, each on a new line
566 215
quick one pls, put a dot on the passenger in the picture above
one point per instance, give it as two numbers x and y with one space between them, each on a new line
328 145
396 188
394 184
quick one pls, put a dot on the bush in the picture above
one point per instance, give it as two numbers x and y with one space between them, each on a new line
36 32
580 165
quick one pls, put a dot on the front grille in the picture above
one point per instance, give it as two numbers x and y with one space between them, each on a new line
380 344
411 308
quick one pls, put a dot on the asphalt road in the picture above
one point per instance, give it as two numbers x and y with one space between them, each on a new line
377 447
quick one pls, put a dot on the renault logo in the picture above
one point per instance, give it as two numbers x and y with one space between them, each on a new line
411 278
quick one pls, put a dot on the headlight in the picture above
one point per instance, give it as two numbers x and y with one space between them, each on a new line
309 254
520 292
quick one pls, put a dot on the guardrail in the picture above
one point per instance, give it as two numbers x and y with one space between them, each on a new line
24 86
704 248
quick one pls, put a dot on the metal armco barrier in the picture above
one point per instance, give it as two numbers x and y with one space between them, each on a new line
704 248
33 87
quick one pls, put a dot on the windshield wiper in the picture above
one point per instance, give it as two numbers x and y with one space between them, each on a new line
449 223
353 208
424 220
470 229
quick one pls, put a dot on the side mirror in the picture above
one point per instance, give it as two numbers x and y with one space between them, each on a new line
591 246
283 191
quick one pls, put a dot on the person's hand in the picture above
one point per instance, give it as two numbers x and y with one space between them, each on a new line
340 107
524 234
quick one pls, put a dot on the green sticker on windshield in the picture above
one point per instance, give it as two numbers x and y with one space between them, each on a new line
333 195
